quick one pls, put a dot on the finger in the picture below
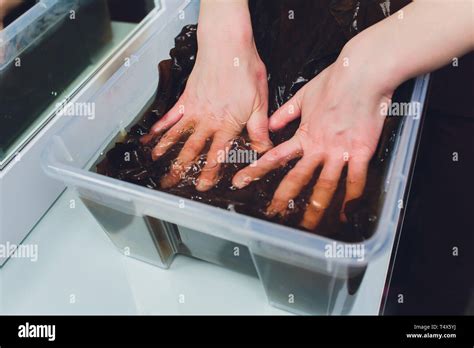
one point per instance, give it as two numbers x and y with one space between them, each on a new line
191 150
209 175
292 184
322 193
145 139
355 182
257 125
167 121
273 159
257 128
170 138
287 113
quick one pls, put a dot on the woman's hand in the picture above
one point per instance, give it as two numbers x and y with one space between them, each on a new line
226 91
342 110
341 122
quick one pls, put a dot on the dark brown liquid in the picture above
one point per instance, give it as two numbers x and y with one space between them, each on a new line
296 40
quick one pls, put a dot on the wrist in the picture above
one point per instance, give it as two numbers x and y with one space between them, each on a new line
376 62
226 22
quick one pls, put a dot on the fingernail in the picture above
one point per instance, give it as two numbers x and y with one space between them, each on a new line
309 224
167 182
342 216
271 211
146 138
243 181
204 185
155 154
309 221
164 183
156 130
276 208
306 225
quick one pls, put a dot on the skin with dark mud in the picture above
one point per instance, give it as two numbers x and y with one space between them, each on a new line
296 40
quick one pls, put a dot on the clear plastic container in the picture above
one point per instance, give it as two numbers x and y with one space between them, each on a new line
41 53
26 30
154 226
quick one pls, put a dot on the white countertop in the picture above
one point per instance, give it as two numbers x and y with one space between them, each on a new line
79 271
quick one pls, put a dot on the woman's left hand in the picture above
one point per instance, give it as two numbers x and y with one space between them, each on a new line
341 122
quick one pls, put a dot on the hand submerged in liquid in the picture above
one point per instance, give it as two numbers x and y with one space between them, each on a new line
338 127
226 92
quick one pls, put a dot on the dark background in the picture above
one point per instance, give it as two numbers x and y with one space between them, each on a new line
440 210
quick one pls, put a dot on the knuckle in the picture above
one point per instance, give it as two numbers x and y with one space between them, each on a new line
326 184
187 153
361 149
193 145
299 176
274 155
260 71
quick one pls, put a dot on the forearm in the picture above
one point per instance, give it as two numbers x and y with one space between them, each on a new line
225 20
424 36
